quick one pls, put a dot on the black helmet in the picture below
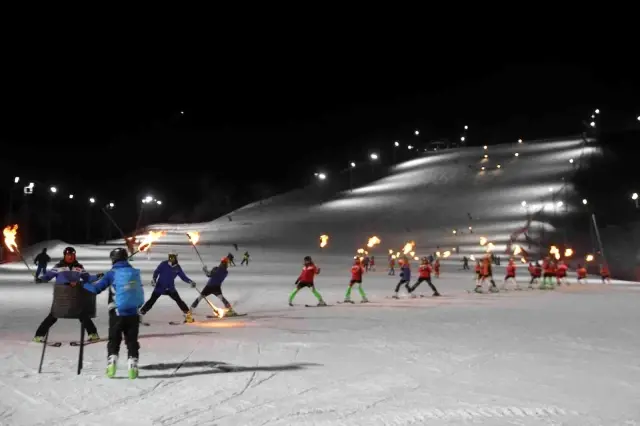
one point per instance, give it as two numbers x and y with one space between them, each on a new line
118 254
307 258
69 250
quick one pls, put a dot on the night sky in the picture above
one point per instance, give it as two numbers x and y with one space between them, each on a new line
265 124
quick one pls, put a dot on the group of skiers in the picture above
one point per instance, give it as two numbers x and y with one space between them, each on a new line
126 298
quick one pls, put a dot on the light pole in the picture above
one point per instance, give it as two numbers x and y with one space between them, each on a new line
92 201
53 191
374 157
107 226
396 145
352 166
634 197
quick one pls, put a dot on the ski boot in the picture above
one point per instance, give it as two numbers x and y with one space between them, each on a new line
93 337
291 304
347 300
478 289
494 289
395 296
188 318
133 368
112 365
230 313
436 294
39 339
413 296
322 303
364 300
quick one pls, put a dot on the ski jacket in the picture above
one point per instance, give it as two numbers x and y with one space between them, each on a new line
511 270
582 272
425 271
42 259
356 272
67 273
308 274
562 271
126 295
604 271
217 276
405 271
165 275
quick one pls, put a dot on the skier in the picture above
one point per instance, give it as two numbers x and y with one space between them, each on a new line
372 264
163 281
309 271
405 277
548 274
436 268
365 263
125 298
231 257
511 275
41 261
424 275
465 263
561 274
235 246
67 272
392 265
214 286
582 274
356 278
532 274
605 274
486 273
478 272
245 258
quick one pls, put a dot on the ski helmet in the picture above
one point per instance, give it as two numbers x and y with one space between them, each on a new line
173 257
69 250
118 255
307 259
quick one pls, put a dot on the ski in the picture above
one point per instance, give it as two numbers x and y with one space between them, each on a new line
226 316
87 342
53 344
316 306
345 303
177 323
146 324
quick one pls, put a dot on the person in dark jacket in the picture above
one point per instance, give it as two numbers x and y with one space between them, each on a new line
126 296
231 257
214 286
68 272
164 282
41 260
245 258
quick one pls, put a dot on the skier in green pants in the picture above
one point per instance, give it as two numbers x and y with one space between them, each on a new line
309 271
356 278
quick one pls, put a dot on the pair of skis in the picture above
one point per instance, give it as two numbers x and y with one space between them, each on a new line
73 343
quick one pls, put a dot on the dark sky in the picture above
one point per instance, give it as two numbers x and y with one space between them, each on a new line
116 129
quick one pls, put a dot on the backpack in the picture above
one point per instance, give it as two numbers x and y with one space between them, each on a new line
127 286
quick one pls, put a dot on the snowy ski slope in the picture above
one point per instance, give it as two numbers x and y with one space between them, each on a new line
514 358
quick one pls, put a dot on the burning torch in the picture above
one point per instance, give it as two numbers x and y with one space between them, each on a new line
194 237
10 233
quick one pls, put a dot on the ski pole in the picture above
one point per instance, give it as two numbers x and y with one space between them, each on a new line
196 249
44 348
114 224
24 261
211 305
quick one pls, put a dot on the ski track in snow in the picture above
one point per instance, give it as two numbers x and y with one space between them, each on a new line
521 358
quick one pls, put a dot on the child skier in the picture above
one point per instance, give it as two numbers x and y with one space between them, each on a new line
356 278
125 298
372 264
392 266
582 274
561 273
245 259
478 272
214 286
548 274
164 281
67 272
405 277
309 271
424 272
511 275
436 268
604 274
486 273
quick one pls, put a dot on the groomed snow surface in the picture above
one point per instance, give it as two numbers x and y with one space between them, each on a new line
563 357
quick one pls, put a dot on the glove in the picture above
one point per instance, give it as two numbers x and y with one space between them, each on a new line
193 284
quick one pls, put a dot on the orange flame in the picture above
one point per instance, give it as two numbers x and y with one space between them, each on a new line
557 256
490 247
483 241
10 233
413 253
393 256
324 240
523 260
416 258
437 254
390 251
360 251
517 250
221 313
150 239
446 254
194 237
373 241
589 258
408 247
554 250
568 252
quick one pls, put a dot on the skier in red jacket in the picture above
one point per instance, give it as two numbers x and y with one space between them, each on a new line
309 271
424 272
511 275
561 273
356 278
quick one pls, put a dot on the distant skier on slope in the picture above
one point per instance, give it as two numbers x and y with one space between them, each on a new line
305 279
486 274
392 265
164 284
510 275
561 274
605 275
356 278
41 260
230 256
424 274
582 274
245 258
405 277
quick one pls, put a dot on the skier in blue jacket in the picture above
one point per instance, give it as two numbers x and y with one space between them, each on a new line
126 296
214 285
67 272
405 277
164 281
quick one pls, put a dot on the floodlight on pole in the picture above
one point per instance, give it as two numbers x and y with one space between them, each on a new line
417 132
71 196
53 189
584 201
322 176
592 124
519 140
111 205
374 156
92 200
523 204
353 165
396 143
462 139
410 147
158 202
16 179
634 196
597 111
466 127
